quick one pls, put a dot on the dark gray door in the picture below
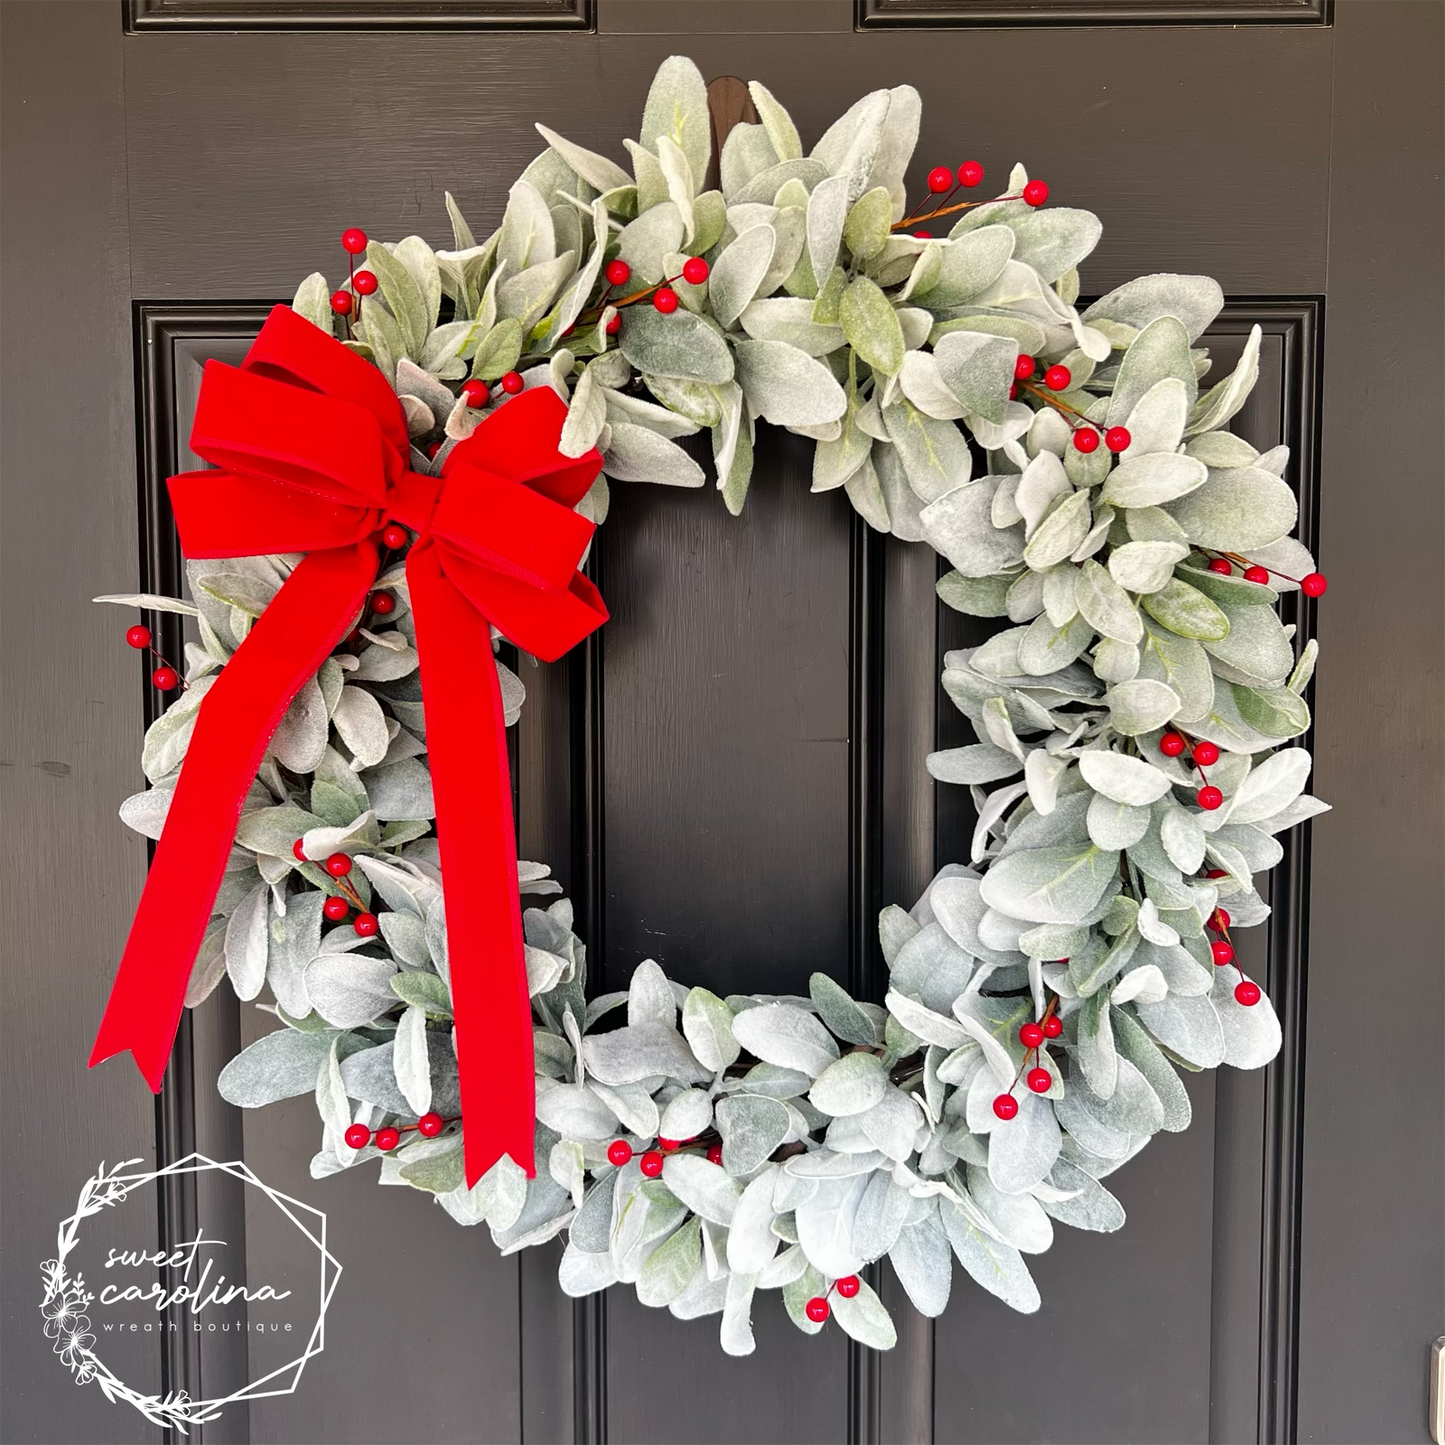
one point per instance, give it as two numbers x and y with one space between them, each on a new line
173 166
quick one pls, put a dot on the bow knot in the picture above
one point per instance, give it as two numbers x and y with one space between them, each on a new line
313 452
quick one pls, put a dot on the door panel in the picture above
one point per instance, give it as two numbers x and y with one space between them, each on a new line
725 731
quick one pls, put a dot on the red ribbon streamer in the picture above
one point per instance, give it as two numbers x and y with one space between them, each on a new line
312 445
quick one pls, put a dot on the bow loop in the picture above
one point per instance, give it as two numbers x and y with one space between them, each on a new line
292 349
509 527
320 444
519 441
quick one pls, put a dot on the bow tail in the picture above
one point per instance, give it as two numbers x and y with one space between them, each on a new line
467 748
234 725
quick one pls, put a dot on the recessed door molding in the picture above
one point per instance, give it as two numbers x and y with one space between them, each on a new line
147 16
955 14
172 340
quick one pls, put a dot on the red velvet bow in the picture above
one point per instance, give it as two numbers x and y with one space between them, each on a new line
313 449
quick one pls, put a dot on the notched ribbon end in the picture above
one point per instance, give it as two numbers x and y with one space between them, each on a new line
106 1047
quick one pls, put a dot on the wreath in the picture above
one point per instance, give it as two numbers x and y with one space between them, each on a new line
1132 771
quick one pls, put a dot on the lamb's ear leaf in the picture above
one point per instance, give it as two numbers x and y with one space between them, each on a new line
871 326
677 108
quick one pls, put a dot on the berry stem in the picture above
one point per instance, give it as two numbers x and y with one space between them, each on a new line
404 1128
163 661
949 210
1054 402
352 896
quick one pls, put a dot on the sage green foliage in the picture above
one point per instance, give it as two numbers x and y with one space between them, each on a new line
848 1129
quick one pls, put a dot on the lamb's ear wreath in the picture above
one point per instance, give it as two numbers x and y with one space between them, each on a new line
1133 768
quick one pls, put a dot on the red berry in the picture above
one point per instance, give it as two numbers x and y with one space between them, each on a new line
817 1309
512 383
970 173
1313 584
1036 192
383 604
395 537
1117 439
1057 378
618 273
1257 574
940 179
848 1286
1219 919
1223 566
342 302
477 393
651 1164
353 240
1216 873
614 324
365 283
619 1151
358 1136
430 1125
1206 754
298 851
665 300
1247 993
166 678
336 908
1031 1035
432 448
1013 391
668 1146
366 925
338 865
1052 1026
387 1139
1209 798
1171 745
1039 1080
1005 1106
138 636
1086 439
1223 951
695 271
923 235
714 1153
1024 366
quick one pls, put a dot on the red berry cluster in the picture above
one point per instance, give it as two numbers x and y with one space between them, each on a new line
347 303
619 1152
1032 1035
1312 584
1246 991
1204 755
338 865
358 1136
695 271
1059 378
164 678
818 1309
944 182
